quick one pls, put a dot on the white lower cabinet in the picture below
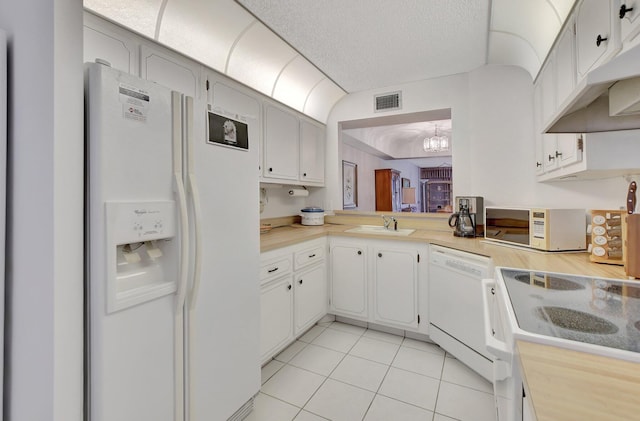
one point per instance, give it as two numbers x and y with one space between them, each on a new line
309 297
348 278
276 316
382 282
395 286
293 294
528 413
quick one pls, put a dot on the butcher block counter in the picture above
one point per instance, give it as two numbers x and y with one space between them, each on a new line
576 263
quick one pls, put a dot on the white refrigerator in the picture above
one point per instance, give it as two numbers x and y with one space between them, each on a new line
172 296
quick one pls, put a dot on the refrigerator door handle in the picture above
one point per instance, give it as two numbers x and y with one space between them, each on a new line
184 244
195 199
176 136
194 195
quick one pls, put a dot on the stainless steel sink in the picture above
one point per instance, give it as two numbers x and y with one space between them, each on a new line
380 230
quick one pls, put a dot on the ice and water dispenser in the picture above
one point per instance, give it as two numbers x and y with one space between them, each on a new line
142 252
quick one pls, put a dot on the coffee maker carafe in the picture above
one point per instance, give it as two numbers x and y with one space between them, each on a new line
461 221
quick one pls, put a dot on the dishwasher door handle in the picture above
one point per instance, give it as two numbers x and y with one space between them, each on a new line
499 349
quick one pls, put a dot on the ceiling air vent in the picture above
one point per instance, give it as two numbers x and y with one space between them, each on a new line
390 101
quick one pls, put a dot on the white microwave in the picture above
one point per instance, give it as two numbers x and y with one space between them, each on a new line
549 229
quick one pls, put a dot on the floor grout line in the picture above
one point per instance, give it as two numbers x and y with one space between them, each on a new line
375 393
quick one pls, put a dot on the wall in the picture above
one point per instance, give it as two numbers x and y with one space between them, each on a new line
279 203
447 92
494 147
367 163
44 337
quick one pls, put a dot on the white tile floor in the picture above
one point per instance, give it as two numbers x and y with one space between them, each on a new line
338 371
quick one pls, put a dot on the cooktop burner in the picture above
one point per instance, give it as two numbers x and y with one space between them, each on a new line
576 320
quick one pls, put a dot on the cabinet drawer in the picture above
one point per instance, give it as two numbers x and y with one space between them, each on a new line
308 256
272 268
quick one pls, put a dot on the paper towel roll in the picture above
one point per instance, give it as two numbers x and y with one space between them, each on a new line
298 192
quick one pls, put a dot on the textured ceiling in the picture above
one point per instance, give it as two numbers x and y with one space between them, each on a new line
367 44
401 140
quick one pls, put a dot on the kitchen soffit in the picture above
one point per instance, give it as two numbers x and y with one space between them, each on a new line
309 54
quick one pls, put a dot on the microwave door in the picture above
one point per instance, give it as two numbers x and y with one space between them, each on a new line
508 225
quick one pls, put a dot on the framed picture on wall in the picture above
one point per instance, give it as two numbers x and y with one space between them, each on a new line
349 185
406 182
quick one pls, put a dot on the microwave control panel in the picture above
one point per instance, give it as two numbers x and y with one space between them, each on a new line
538 218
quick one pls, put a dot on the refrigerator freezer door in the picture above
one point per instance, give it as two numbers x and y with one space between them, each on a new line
130 160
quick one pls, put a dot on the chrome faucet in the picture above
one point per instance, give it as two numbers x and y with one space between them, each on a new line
387 220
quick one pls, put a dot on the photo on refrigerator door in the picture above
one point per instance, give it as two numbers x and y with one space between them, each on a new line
227 131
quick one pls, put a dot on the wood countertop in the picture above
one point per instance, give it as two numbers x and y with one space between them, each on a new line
570 385
575 263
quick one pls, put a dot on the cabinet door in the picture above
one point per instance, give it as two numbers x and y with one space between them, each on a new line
569 149
105 42
311 153
596 39
537 128
310 297
549 150
548 85
565 56
395 286
280 144
170 70
629 22
348 280
276 316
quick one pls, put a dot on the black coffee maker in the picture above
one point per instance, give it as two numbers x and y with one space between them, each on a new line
462 223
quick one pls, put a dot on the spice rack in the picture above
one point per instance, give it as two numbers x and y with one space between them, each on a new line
608 237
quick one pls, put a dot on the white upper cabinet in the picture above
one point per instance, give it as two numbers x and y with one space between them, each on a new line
281 140
107 42
537 127
293 148
597 33
569 147
170 70
549 93
565 63
311 153
629 22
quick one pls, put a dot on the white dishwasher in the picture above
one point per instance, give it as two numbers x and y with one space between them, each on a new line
456 314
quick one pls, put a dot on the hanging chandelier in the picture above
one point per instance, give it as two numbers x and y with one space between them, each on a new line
436 143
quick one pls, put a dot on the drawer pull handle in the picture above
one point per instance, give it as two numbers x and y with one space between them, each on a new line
312 256
272 270
300 281
359 252
289 287
379 254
